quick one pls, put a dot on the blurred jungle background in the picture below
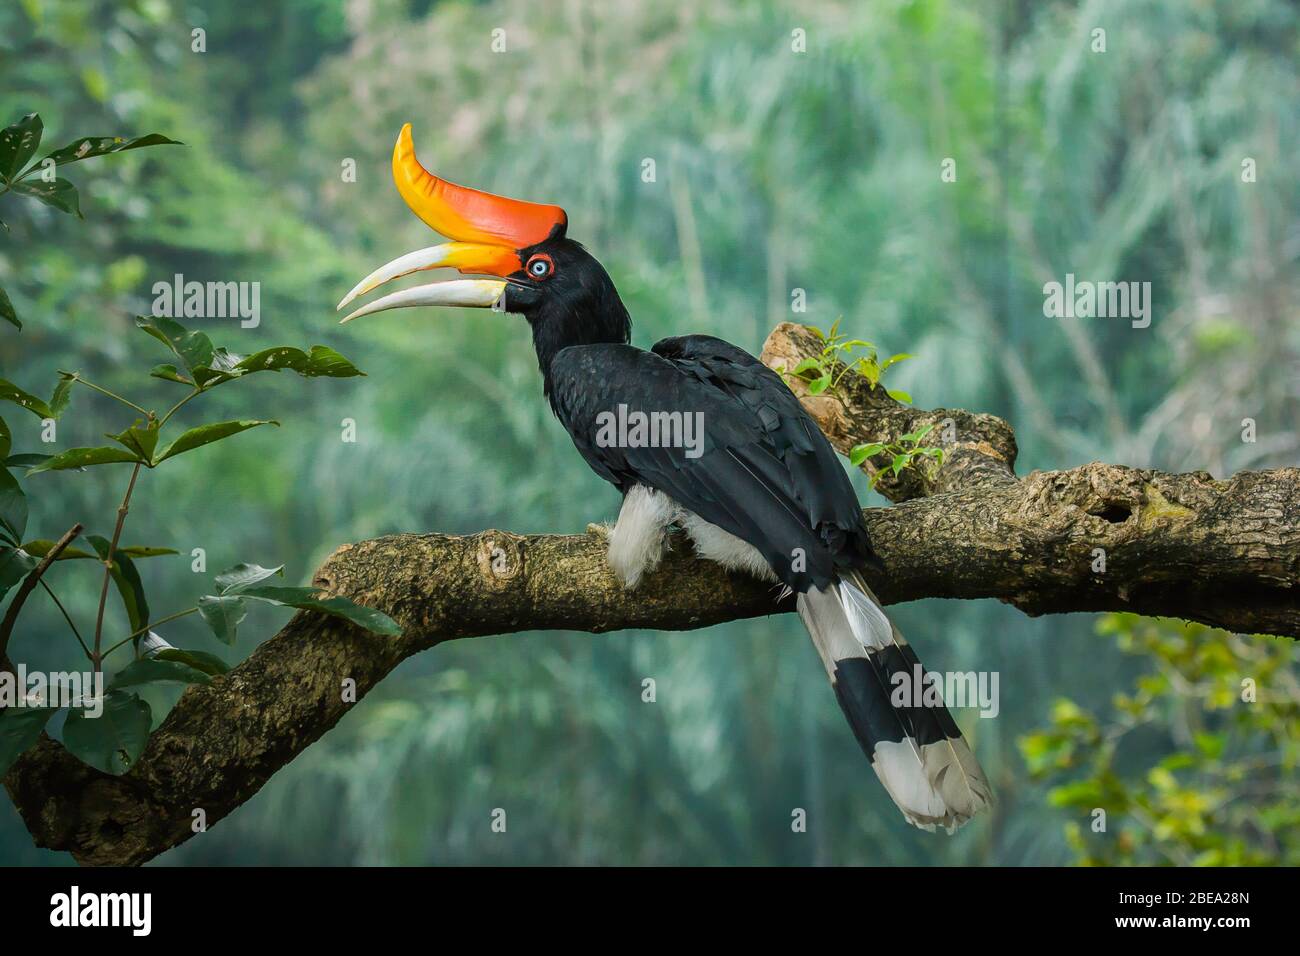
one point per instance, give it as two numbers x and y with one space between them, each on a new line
775 169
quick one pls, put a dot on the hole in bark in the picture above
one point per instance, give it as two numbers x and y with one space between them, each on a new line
1114 513
110 831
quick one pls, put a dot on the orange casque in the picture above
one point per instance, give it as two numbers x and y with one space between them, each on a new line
470 215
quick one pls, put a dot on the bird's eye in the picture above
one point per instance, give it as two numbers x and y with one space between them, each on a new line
540 266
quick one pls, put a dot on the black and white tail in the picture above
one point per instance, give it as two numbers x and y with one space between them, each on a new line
917 752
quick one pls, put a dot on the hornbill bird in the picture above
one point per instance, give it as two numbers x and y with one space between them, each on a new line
755 484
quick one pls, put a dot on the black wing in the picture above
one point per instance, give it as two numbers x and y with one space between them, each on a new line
762 469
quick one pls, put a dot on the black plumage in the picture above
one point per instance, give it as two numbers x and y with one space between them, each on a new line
763 472
766 473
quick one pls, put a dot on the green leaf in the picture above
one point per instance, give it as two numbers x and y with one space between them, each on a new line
60 194
127 579
24 461
209 664
81 457
898 395
141 439
13 505
169 372
62 394
18 144
6 439
41 547
205 435
223 615
7 310
146 551
853 344
15 563
150 670
807 365
898 464
194 349
220 368
20 728
242 575
894 359
320 361
224 360
10 392
819 385
114 740
89 146
226 366
860 453
304 599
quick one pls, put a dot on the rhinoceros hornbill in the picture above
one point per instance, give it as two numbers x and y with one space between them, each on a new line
755 484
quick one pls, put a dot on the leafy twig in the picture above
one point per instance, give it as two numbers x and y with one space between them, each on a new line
818 372
97 659
76 377
149 627
29 584
905 451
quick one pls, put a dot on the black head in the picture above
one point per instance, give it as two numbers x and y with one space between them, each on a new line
567 297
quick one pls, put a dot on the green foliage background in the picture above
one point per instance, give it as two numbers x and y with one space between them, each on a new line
774 170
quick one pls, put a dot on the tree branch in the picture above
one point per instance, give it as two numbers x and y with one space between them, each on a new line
29 585
1223 552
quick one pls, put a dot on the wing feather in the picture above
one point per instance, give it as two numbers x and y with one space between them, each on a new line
765 472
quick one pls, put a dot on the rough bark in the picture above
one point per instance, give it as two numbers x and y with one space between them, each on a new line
1223 552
